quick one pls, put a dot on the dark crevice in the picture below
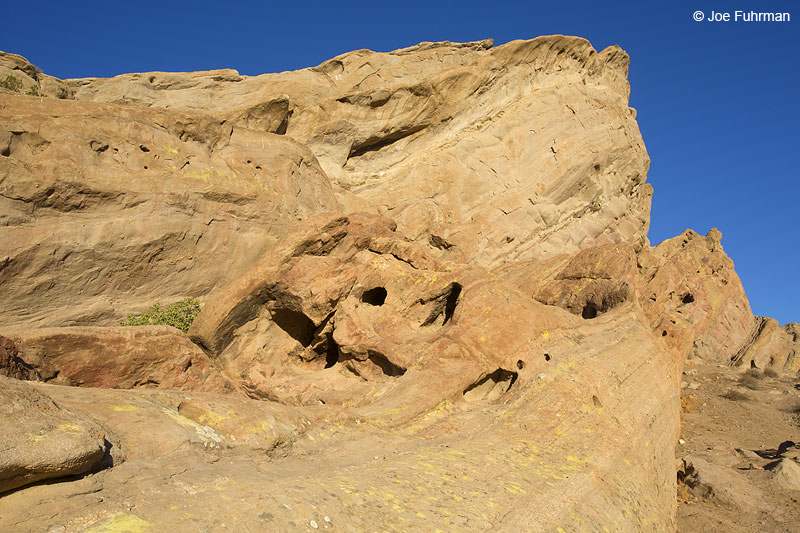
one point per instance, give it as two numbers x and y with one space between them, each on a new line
388 368
589 310
445 305
450 303
492 386
331 353
284 125
296 324
376 296
688 298
374 144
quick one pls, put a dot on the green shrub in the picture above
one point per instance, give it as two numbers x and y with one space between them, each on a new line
34 91
11 83
178 315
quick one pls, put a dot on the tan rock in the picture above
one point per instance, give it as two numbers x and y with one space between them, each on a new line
108 209
706 479
39 440
120 357
522 151
428 270
786 474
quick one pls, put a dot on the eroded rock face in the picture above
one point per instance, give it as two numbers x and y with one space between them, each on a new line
121 357
106 209
428 297
39 440
522 151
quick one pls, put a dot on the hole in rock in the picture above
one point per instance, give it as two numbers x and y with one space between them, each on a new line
450 304
547 357
688 298
520 364
297 325
376 296
386 366
144 148
596 401
445 305
331 354
491 387
284 125
589 310
664 333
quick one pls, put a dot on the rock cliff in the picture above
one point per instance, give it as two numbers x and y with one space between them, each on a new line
428 297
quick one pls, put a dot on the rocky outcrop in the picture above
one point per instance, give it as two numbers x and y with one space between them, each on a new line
106 209
517 152
39 440
121 357
428 297
771 347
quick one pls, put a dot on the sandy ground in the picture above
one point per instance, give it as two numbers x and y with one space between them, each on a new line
737 422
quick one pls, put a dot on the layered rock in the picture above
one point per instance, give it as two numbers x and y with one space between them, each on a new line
517 152
107 209
40 440
425 279
122 357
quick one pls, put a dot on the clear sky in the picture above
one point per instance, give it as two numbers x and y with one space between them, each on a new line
718 102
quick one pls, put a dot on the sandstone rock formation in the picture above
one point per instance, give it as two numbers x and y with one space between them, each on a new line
428 297
145 356
40 440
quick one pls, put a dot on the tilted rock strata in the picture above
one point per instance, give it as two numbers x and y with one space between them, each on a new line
120 207
39 440
516 152
121 357
425 278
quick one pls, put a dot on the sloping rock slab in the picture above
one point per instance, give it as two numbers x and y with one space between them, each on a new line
39 440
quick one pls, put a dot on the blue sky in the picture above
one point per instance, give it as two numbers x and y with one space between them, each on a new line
717 103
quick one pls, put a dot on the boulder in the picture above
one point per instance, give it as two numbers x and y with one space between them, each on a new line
118 357
40 441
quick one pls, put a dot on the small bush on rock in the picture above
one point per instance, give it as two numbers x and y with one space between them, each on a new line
178 315
11 83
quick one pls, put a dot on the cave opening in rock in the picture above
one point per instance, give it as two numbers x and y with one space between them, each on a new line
376 296
688 298
331 353
589 310
297 325
490 387
452 300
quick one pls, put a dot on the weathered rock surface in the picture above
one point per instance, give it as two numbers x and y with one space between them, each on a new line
428 297
517 152
120 357
11 365
39 440
105 210
786 474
